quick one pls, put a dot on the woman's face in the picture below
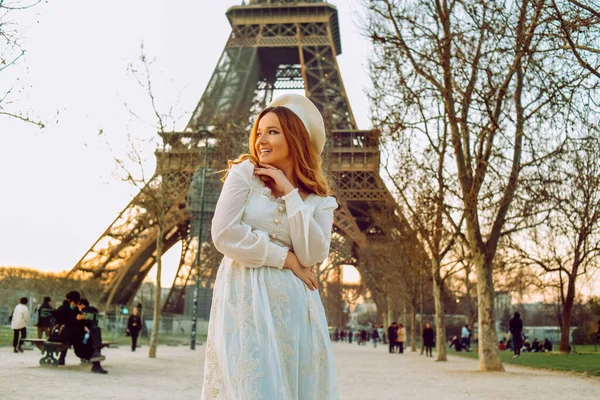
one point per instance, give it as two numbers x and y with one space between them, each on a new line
271 145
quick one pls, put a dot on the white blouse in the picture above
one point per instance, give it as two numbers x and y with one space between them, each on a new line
256 229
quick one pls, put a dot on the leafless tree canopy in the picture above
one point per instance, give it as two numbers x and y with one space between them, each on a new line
472 97
11 53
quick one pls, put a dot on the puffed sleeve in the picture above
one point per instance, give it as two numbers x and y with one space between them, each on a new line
234 238
310 227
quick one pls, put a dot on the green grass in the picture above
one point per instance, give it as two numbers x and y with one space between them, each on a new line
6 336
585 360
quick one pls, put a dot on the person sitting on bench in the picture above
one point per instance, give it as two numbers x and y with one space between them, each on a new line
65 324
68 330
89 337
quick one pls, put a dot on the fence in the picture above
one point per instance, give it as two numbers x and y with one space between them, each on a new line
174 329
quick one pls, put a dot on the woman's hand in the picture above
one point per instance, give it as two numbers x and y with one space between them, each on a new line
304 274
280 182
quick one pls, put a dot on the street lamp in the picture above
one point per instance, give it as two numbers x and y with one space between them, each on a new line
194 210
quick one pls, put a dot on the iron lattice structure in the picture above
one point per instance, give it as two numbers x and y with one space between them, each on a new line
273 45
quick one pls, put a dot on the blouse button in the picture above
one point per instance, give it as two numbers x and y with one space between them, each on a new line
276 221
273 236
281 208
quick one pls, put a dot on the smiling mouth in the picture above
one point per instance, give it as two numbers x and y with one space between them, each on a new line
263 152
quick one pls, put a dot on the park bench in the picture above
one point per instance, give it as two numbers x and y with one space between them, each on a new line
51 349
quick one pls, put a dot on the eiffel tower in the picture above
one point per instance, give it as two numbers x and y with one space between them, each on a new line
274 45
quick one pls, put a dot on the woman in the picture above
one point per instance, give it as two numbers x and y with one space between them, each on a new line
134 326
515 326
428 339
268 337
401 338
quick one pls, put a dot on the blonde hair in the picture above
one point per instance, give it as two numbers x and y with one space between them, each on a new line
308 167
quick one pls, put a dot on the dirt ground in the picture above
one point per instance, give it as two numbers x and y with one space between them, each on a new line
364 373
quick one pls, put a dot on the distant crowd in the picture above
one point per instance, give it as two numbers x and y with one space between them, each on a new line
395 337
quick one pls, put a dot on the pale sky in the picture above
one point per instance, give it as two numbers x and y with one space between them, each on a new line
60 191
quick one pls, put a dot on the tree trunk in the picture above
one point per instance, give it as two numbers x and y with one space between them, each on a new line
489 356
565 330
390 310
421 301
440 326
157 293
386 323
413 329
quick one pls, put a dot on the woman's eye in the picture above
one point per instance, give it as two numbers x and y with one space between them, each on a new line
257 134
273 132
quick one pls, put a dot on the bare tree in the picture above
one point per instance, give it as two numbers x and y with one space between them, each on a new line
421 187
11 52
334 294
567 246
579 25
158 193
401 273
465 286
412 278
493 72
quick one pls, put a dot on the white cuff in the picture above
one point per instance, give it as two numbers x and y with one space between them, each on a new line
276 255
293 202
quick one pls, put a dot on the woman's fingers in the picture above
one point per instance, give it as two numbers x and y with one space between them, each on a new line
306 275
308 280
309 284
263 171
312 281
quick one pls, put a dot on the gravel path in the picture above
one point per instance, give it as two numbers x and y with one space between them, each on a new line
364 373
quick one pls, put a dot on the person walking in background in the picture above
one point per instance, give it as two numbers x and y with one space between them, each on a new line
465 337
19 322
375 336
392 336
45 318
401 338
515 326
134 326
363 337
428 339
